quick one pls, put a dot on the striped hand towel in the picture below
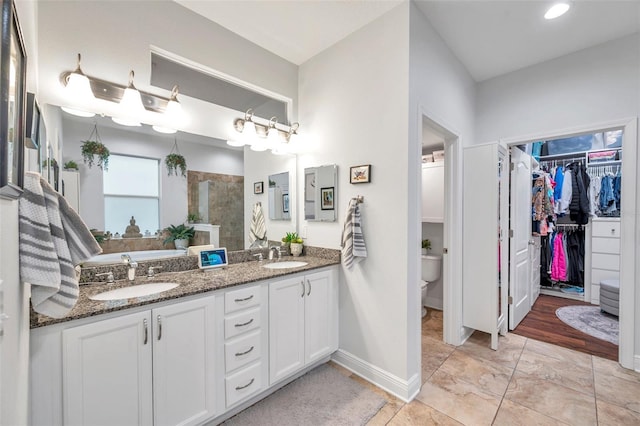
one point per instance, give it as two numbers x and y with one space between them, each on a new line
258 228
53 240
353 246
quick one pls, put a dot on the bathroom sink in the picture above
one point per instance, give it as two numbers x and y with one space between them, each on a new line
285 265
134 291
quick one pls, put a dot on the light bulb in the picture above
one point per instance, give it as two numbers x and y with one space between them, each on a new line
77 112
161 129
249 134
235 142
126 121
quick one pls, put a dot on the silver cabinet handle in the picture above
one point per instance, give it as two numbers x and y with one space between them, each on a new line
159 328
302 284
245 386
244 300
246 323
245 352
309 291
146 331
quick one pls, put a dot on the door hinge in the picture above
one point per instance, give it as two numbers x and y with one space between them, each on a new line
445 250
510 300
510 233
512 167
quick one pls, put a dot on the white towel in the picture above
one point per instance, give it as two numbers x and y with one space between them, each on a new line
258 228
353 246
53 240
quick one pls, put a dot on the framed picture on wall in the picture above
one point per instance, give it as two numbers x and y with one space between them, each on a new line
12 103
326 195
258 187
360 174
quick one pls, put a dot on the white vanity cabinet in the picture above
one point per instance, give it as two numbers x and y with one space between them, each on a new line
151 367
303 321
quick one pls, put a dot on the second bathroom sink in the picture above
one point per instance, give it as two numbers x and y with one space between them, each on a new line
285 265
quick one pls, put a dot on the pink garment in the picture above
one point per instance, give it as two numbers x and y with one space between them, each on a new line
558 263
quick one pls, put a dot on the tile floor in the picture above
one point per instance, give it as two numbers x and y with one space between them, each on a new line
525 382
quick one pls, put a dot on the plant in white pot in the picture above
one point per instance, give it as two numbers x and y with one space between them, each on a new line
294 242
179 235
426 246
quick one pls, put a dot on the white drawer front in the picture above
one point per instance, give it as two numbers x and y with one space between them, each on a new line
243 384
237 324
605 245
598 275
242 351
606 229
605 261
241 299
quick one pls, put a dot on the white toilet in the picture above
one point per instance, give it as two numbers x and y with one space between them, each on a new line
431 266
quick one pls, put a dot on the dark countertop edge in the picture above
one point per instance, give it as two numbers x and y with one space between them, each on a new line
39 320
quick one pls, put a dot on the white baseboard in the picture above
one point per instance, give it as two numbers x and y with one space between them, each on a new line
406 390
434 303
636 363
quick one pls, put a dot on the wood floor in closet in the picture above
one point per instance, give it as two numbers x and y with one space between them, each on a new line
543 324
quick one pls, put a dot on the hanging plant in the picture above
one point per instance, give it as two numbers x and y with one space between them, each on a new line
175 162
94 151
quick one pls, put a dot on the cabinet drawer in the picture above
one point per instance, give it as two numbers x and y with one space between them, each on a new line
243 384
605 261
605 245
241 299
606 229
242 351
237 324
598 275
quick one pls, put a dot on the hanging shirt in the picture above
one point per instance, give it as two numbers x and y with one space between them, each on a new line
559 178
565 197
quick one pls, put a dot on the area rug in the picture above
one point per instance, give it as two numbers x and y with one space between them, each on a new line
590 320
323 396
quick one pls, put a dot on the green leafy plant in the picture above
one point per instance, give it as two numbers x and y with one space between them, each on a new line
71 165
426 244
175 162
292 237
179 232
94 152
193 217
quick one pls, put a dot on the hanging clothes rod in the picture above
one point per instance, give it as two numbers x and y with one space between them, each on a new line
567 225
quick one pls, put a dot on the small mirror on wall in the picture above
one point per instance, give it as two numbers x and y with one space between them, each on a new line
279 205
320 193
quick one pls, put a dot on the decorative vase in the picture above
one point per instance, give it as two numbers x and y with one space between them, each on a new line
181 243
296 249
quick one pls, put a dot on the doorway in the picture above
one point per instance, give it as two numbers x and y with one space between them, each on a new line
626 261
440 152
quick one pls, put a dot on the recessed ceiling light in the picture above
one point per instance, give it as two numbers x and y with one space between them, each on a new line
556 10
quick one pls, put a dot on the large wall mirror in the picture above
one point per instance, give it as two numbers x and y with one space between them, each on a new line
213 190
320 193
279 198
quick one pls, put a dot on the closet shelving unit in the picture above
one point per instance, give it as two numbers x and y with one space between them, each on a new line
590 289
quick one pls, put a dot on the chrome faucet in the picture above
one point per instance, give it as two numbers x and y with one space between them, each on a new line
131 273
277 250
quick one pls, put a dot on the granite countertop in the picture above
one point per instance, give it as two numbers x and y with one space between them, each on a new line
190 282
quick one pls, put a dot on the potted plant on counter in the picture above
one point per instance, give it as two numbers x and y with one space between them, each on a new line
179 235
426 246
294 242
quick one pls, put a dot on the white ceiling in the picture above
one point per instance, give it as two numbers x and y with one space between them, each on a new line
490 38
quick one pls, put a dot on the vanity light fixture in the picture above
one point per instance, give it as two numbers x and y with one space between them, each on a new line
135 106
78 88
262 134
557 10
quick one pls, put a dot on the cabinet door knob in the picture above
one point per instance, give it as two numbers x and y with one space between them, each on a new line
245 386
146 331
245 323
159 327
243 300
245 352
309 291
302 284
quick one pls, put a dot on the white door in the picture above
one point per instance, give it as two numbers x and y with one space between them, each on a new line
183 362
106 368
286 327
319 316
520 236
